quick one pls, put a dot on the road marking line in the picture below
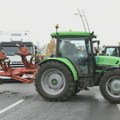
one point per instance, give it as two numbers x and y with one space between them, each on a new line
11 106
118 106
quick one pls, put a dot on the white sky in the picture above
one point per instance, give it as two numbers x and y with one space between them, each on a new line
40 16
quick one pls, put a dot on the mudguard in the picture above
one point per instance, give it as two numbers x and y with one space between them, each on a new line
64 61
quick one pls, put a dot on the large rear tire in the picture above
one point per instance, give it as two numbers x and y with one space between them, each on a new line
54 81
110 86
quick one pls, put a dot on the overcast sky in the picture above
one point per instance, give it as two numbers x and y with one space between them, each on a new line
40 16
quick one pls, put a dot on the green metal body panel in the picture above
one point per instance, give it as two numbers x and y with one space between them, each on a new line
73 34
107 60
66 62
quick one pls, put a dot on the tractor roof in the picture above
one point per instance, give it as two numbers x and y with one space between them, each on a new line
73 34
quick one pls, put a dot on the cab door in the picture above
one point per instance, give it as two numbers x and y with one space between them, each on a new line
79 52
85 58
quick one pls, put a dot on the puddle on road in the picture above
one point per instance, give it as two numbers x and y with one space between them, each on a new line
9 93
4 92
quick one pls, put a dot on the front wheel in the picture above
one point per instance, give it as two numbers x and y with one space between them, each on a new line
110 86
54 81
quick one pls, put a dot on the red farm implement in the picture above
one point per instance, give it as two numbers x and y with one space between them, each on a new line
25 74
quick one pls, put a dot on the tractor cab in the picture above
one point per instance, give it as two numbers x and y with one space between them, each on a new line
112 51
78 48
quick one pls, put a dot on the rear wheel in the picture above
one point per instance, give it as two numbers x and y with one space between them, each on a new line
110 86
54 81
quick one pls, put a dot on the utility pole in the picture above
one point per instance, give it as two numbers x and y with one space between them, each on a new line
86 21
81 16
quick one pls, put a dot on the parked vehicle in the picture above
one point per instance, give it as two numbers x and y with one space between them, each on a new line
9 43
74 68
112 51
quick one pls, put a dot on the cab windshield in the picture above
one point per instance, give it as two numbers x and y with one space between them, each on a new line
77 51
10 51
112 51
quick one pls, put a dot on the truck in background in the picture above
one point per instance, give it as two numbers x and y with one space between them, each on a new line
8 43
10 48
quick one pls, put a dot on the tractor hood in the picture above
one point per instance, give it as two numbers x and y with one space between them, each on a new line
107 60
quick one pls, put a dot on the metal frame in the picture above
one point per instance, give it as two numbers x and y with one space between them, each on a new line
29 68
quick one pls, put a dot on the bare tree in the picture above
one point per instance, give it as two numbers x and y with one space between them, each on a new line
51 47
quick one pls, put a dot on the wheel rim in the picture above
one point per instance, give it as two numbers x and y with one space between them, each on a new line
53 81
113 87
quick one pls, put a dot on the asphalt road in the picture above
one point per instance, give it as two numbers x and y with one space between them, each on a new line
19 101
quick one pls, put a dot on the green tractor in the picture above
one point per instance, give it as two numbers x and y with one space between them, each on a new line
75 67
112 51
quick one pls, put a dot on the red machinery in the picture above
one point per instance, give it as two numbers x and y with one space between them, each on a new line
28 70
